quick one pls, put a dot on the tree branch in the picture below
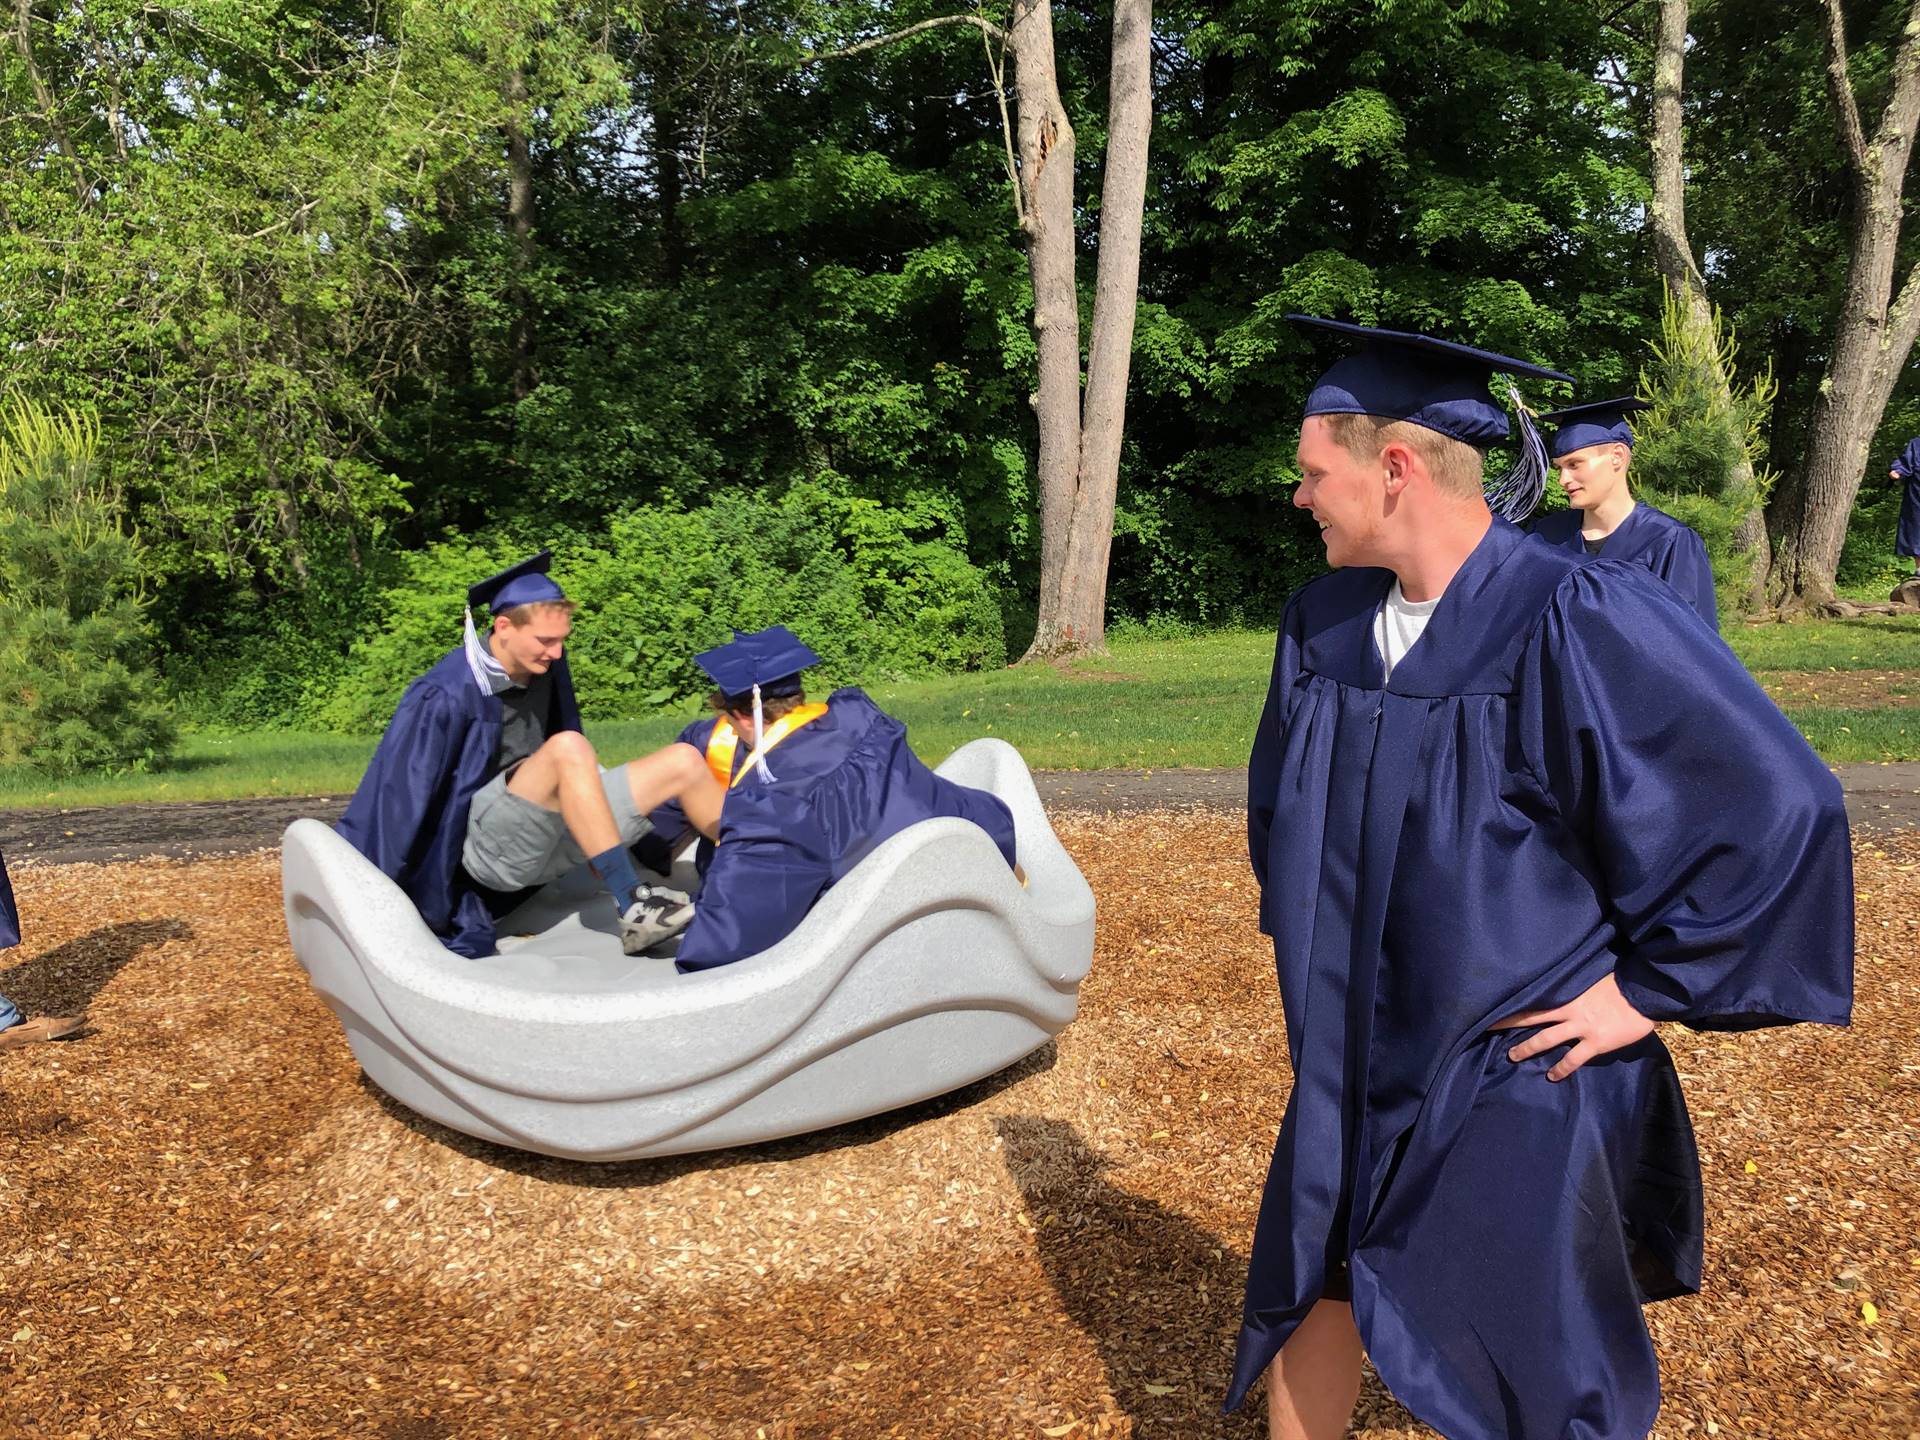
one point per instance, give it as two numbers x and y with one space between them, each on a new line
1903 321
985 26
1895 131
1840 82
23 41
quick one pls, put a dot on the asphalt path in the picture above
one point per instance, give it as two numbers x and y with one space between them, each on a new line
1879 798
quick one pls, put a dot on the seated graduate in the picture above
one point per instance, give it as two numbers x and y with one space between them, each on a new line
1593 448
845 782
483 786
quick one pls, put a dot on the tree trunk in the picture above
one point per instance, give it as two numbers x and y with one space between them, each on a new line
1673 255
667 139
1872 339
1079 623
520 225
1046 147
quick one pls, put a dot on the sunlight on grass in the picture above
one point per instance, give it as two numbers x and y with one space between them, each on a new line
1149 704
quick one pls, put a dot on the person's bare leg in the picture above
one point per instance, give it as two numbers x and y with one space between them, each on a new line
564 775
679 772
1315 1379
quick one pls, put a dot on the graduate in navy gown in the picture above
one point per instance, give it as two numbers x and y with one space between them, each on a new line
1507 808
1906 536
15 1027
813 788
483 787
1593 448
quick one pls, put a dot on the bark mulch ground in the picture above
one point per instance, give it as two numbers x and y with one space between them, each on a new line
210 1226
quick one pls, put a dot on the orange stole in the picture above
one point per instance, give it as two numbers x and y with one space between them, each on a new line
724 743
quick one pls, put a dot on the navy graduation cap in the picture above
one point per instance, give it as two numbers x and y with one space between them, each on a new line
1598 422
770 660
1441 386
522 584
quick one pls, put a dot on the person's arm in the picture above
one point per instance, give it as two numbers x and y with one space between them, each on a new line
769 868
1720 838
1690 572
9 915
390 819
1263 764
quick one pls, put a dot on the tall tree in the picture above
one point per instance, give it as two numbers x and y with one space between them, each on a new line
1080 426
1673 254
1873 333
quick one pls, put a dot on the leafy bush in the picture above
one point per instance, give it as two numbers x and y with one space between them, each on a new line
662 584
77 688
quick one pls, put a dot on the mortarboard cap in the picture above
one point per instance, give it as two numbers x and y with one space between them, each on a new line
1599 422
1398 375
522 584
1441 386
763 658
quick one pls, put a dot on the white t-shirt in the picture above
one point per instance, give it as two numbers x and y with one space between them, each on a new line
1398 623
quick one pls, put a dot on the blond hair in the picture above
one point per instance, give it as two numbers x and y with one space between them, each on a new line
521 614
1457 467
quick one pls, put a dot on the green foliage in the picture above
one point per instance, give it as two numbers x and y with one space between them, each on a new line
1697 452
77 688
661 584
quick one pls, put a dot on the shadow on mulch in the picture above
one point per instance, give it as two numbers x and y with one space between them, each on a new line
65 980
640 1174
1158 1295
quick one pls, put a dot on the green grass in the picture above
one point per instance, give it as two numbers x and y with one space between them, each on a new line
1872 642
1148 704
1844 735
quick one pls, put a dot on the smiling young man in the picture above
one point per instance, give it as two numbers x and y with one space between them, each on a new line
483 786
1507 808
1593 450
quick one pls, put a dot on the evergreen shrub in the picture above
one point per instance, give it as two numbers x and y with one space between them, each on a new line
1688 448
77 685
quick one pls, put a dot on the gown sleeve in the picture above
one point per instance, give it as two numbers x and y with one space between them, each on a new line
9 915
1908 465
1689 571
1263 765
393 816
772 863
1719 838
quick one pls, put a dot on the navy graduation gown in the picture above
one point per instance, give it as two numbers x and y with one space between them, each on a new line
9 916
1906 538
1567 776
409 816
843 784
1670 548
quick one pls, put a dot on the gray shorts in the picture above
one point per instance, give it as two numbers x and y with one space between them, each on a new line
513 844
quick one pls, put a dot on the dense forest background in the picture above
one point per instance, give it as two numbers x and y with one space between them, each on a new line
369 300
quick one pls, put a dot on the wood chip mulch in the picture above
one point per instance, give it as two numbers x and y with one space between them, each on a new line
211 1226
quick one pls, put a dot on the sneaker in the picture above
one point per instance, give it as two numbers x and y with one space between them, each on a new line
656 914
41 1027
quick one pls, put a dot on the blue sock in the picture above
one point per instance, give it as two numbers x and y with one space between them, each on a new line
616 871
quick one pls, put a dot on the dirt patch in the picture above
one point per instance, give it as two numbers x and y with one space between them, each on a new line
210 1225
1843 689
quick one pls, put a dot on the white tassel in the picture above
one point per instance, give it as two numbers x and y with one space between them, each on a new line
759 736
1516 494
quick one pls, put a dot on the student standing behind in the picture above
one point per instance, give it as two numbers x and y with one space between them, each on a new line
483 786
15 1028
813 789
1906 537
1593 449
1506 809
